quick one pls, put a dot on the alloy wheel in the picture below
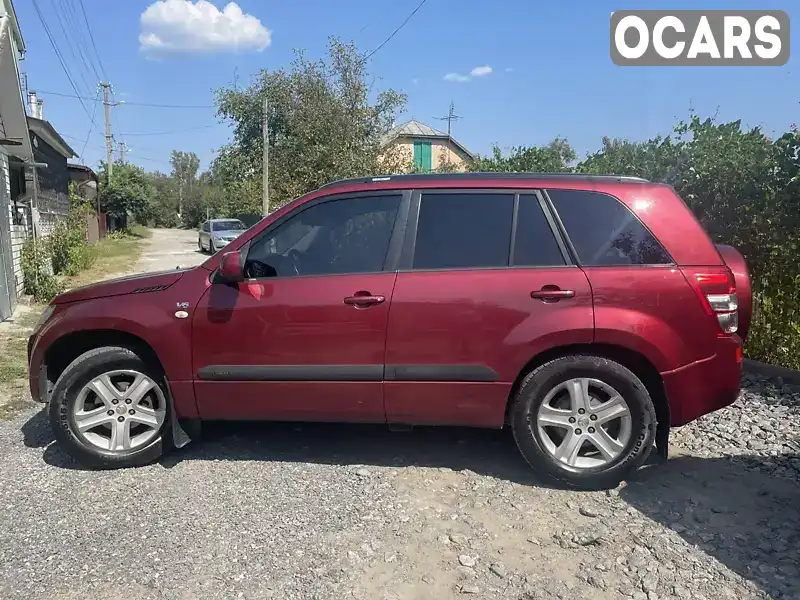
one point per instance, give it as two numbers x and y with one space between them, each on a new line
584 423
119 411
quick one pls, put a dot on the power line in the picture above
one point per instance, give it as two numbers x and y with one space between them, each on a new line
91 127
77 30
91 39
403 24
127 103
60 57
76 54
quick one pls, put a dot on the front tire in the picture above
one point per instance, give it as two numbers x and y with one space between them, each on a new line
110 409
583 420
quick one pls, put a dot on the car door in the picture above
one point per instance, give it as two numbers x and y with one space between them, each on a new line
485 284
303 338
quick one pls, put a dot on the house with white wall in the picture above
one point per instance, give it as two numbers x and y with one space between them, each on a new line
15 153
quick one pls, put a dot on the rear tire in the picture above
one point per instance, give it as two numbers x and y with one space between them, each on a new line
128 400
584 421
200 245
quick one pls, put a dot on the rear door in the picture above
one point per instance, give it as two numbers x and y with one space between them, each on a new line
485 284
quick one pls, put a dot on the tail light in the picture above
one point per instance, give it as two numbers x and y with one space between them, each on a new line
717 293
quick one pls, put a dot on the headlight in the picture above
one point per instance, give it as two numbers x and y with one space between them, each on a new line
46 314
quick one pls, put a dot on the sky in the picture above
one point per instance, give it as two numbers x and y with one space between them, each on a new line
519 72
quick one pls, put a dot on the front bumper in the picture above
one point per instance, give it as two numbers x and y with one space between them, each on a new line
38 383
706 385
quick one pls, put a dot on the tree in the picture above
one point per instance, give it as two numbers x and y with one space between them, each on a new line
165 201
184 172
130 192
553 158
323 126
655 159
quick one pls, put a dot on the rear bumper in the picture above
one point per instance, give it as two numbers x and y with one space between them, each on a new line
707 385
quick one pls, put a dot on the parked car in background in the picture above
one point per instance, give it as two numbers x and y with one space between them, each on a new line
588 314
215 234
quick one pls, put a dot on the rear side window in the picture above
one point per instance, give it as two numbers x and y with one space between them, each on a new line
471 230
534 245
604 231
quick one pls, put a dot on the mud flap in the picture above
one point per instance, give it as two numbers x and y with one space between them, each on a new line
662 438
179 436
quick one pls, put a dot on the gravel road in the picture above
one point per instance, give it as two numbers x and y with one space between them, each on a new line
337 512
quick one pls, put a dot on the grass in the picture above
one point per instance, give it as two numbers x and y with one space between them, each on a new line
141 232
114 255
14 360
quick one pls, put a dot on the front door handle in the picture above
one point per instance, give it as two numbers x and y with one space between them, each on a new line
552 293
364 299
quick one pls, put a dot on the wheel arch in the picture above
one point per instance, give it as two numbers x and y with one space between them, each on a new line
637 363
70 346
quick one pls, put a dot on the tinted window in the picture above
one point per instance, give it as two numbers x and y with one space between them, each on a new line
342 236
463 230
534 245
231 225
604 231
205 226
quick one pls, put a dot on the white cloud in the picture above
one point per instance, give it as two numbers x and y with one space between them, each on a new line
186 26
457 77
481 71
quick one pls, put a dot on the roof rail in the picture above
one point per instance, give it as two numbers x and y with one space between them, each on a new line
469 176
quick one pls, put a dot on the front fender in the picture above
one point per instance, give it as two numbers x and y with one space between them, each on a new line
154 323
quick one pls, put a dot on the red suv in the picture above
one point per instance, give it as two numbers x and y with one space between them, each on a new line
587 313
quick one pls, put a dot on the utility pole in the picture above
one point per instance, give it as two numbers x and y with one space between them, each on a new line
123 147
265 169
451 116
109 138
109 152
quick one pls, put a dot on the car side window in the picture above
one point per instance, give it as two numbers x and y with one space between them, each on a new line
604 231
205 226
535 244
463 230
337 237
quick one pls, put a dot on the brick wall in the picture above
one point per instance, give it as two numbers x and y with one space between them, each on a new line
19 234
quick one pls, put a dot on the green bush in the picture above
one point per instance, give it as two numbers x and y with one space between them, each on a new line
71 253
37 261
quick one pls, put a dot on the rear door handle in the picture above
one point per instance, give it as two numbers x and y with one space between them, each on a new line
552 293
364 300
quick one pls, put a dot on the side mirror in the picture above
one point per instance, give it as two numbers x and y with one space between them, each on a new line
231 268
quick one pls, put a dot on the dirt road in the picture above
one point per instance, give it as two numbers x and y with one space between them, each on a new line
169 248
337 512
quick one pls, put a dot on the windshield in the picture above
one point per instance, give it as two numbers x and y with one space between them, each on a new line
229 225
